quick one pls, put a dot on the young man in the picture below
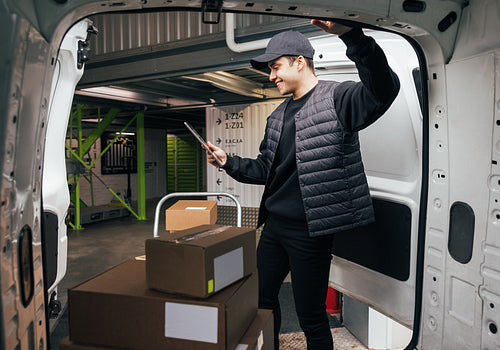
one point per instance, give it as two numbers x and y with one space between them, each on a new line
310 164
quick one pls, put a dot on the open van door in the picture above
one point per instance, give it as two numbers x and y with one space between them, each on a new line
376 264
55 194
24 94
33 212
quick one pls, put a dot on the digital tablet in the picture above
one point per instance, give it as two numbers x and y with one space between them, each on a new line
202 141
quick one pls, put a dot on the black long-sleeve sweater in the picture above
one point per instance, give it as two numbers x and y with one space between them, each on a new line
354 107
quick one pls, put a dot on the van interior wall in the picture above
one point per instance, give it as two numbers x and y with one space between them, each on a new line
156 162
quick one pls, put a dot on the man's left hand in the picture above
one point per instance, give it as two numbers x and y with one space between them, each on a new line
331 27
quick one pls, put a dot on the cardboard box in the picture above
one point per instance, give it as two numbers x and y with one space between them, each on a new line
116 309
67 344
200 261
260 334
185 214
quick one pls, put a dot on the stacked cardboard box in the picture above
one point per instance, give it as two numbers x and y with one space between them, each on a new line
259 336
196 290
200 261
185 214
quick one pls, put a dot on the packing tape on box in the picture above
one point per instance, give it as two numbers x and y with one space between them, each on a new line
201 234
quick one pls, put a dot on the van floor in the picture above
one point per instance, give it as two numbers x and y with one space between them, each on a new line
102 245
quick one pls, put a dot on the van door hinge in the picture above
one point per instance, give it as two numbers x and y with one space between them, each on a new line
54 306
83 53
83 46
211 6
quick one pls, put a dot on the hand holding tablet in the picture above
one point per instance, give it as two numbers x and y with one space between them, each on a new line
203 143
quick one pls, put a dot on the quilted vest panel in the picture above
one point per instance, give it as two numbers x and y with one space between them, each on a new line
331 174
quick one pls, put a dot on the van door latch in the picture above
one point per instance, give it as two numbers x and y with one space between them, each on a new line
211 6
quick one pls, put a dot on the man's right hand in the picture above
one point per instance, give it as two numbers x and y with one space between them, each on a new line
218 152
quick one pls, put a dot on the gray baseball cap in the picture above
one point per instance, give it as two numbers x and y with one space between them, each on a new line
289 43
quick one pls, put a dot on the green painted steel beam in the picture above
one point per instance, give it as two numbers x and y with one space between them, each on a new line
116 195
99 130
78 225
72 197
141 169
76 156
78 117
123 203
84 147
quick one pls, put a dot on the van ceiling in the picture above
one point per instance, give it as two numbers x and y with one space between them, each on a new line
175 76
173 64
170 101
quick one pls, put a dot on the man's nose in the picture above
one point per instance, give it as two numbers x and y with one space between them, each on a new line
272 76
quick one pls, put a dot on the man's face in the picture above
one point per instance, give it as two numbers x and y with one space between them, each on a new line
284 75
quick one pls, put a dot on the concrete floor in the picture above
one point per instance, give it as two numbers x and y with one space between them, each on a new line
102 245
105 244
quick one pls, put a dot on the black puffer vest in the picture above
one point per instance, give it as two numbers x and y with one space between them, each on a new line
331 175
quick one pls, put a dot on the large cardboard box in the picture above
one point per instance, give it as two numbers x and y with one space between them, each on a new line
200 261
117 309
67 344
185 214
260 334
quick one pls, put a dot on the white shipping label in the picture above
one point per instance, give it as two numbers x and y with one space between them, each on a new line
260 341
196 208
241 347
191 322
228 268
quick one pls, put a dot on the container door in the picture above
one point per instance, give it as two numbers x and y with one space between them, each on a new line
184 171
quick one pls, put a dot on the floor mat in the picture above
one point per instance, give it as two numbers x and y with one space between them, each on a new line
342 340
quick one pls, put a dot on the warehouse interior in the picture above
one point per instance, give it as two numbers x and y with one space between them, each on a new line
137 78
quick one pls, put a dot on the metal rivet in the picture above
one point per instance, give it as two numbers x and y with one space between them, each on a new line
432 323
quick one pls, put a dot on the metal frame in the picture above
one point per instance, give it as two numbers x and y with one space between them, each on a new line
83 148
193 194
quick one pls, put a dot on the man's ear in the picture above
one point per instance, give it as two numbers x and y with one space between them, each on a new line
301 62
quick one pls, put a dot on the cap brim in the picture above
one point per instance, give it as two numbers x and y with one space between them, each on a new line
260 62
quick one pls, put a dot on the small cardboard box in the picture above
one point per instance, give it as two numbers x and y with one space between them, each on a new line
200 261
185 214
260 334
116 309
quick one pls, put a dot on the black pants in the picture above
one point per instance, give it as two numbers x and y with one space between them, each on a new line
308 260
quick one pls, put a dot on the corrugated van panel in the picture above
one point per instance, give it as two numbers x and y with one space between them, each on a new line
119 32
237 130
